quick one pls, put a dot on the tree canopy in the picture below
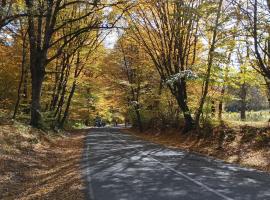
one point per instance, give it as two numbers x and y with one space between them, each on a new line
172 63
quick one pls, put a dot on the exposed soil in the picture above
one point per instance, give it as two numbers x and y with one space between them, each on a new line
37 165
244 145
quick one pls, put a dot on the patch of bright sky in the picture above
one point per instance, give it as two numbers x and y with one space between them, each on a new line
7 34
111 39
112 35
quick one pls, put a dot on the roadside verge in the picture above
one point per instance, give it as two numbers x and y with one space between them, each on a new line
247 146
38 165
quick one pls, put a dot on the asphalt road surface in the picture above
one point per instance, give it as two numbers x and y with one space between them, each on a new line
118 166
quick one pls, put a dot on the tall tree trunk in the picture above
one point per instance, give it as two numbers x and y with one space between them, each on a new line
77 72
209 65
56 80
37 68
25 85
60 104
59 81
40 33
62 90
23 71
222 92
65 115
37 80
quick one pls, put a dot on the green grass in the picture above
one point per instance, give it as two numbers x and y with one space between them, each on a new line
251 116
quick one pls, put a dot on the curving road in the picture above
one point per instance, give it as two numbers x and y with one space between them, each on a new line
118 166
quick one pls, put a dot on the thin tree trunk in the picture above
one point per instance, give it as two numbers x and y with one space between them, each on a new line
25 85
59 82
21 79
58 110
56 80
62 89
220 105
71 94
65 115
209 66
222 92
243 96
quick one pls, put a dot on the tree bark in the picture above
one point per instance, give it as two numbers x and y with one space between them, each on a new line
182 103
77 72
56 82
65 115
25 85
243 95
23 71
220 105
37 80
60 104
60 83
268 90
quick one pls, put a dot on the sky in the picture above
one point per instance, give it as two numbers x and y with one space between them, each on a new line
111 39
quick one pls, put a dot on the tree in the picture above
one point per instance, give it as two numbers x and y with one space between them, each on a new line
10 11
43 22
262 52
131 73
168 32
210 61
24 70
255 23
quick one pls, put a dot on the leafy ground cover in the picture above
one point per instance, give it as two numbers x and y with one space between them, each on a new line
248 146
39 165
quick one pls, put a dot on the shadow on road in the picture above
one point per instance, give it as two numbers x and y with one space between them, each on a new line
119 166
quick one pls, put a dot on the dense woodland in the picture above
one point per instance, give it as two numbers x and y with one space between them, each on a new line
155 64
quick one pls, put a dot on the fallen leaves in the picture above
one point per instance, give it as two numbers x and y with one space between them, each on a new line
35 166
247 146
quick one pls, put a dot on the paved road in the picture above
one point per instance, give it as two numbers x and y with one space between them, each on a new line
121 167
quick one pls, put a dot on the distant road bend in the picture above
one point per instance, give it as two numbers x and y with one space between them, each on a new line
118 166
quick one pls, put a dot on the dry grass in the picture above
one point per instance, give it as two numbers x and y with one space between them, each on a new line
247 146
35 165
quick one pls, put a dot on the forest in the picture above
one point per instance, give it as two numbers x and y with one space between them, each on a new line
188 75
153 64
